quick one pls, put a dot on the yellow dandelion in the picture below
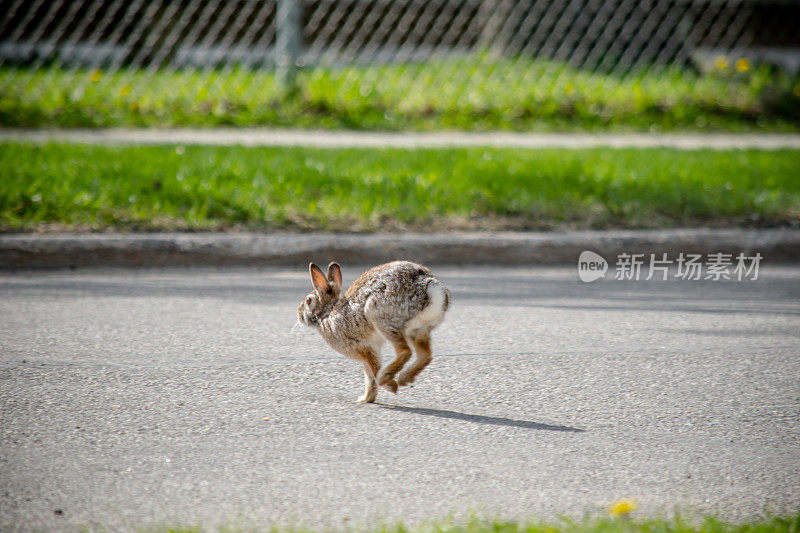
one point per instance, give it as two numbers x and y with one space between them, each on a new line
569 89
95 76
125 90
742 65
623 507
721 62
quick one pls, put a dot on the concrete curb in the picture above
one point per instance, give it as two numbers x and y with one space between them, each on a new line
501 248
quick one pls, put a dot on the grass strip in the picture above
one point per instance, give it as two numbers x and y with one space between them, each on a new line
202 187
470 93
620 524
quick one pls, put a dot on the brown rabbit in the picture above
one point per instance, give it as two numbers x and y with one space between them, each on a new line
400 302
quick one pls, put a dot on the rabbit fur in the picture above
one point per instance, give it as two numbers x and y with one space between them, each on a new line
400 302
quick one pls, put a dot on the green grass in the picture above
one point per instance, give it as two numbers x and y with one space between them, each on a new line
789 524
202 187
473 93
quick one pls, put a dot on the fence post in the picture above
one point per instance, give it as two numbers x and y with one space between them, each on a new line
288 42
493 15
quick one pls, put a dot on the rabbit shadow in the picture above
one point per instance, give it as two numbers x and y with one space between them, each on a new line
479 419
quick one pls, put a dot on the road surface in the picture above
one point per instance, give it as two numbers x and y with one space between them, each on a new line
138 398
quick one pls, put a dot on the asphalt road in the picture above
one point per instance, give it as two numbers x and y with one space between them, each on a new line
134 399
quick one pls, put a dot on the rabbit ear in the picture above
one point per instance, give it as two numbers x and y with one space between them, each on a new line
335 275
318 277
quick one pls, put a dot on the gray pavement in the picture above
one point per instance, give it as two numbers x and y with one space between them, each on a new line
134 398
363 139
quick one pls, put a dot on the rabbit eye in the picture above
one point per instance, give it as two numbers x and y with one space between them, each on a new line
308 300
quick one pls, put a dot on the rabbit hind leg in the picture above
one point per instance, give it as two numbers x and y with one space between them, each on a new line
422 347
403 354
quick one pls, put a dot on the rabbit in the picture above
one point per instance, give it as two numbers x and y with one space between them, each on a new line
400 302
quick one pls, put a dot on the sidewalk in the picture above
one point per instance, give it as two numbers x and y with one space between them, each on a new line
276 249
356 139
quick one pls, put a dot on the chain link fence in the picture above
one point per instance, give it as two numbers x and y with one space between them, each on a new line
397 63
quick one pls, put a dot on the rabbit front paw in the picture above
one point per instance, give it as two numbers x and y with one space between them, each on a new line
367 397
